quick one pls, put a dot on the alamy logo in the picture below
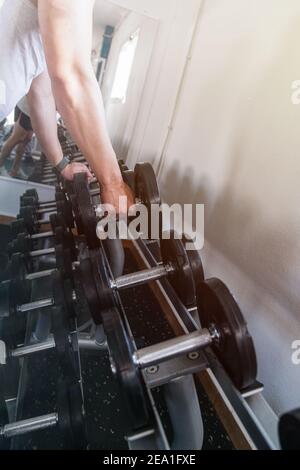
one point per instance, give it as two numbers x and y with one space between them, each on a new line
2 92
296 353
149 223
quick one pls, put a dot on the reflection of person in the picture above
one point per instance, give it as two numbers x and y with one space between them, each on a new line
58 33
21 136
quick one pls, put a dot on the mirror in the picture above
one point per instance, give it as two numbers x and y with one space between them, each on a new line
122 44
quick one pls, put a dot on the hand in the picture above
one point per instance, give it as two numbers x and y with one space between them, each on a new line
71 170
111 193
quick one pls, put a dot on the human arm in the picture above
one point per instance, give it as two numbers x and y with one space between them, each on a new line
66 28
43 119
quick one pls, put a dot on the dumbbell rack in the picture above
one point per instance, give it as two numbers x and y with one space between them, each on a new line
157 372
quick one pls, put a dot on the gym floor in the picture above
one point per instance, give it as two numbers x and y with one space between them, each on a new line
106 422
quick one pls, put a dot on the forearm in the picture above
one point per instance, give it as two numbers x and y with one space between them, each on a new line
43 118
80 103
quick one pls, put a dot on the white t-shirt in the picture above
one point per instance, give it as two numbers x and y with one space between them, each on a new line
23 105
21 52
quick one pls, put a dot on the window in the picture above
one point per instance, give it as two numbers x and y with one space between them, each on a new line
124 68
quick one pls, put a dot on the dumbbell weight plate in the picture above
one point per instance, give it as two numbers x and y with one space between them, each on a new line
127 374
65 209
95 282
129 178
289 431
235 348
71 420
32 193
147 191
196 266
4 443
4 262
28 215
64 261
173 252
87 216
4 299
146 187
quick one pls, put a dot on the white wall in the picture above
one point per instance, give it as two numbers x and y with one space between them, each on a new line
234 146
233 143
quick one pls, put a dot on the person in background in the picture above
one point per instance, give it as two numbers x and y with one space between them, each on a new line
45 52
20 138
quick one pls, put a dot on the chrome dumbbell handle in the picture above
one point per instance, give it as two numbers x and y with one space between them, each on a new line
39 304
175 347
27 426
141 277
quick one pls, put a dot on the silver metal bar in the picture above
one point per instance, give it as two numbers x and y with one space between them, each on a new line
46 210
33 348
141 277
28 425
40 236
43 222
40 275
85 342
172 348
95 192
45 252
35 305
47 203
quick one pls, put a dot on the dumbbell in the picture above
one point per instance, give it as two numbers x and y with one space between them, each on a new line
219 313
33 200
14 300
182 268
16 289
85 212
85 342
23 245
23 241
19 269
64 327
34 194
30 215
19 226
224 335
69 419
65 337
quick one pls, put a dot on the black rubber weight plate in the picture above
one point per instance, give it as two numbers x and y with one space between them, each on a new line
86 209
4 443
173 251
235 349
146 184
289 431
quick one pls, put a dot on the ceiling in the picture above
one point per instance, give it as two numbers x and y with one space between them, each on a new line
107 14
